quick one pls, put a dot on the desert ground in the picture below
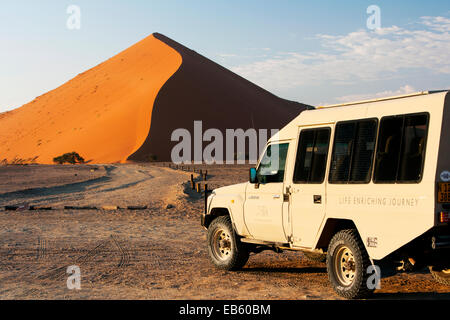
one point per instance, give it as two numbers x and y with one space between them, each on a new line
156 253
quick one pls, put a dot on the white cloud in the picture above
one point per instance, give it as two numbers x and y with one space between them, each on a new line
227 55
440 24
362 55
407 89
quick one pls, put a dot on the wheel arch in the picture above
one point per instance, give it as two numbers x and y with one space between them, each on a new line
333 226
215 213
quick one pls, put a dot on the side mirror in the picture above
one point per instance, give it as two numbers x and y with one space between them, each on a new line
253 176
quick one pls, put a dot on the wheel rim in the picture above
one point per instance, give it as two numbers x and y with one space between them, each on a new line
345 266
221 244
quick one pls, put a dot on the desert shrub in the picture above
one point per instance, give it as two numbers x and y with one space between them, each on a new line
151 158
72 158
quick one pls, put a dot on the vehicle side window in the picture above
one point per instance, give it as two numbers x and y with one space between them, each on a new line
401 148
272 166
312 154
353 150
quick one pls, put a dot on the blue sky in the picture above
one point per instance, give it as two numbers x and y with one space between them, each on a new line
316 52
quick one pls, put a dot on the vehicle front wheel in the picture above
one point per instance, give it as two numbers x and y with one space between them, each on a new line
224 248
441 275
347 263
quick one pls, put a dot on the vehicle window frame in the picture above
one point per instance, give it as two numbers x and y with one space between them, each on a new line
377 124
427 114
286 160
329 130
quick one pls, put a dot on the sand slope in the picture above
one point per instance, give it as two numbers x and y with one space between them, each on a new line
127 107
103 114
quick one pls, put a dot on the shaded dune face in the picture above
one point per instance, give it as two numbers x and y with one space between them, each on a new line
203 90
104 114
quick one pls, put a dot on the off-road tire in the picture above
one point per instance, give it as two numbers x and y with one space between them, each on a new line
346 245
235 254
315 257
443 277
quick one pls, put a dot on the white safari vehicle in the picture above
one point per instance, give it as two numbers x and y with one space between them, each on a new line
364 186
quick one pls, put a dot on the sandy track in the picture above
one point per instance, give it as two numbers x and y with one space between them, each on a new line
23 178
109 185
157 253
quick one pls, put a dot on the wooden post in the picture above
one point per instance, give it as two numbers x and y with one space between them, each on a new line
206 198
192 182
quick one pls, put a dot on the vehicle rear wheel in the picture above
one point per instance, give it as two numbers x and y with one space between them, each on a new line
347 263
441 275
224 248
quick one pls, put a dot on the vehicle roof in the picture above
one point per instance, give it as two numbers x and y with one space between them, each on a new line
411 103
415 94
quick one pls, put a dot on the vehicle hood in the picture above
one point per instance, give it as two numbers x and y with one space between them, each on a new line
233 189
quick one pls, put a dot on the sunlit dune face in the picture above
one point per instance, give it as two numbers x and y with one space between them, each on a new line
103 114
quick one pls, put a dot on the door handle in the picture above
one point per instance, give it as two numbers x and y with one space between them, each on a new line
277 196
317 199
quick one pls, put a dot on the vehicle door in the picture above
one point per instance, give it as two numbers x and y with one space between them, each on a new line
263 207
308 189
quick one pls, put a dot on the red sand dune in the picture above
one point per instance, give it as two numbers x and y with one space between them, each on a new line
127 107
